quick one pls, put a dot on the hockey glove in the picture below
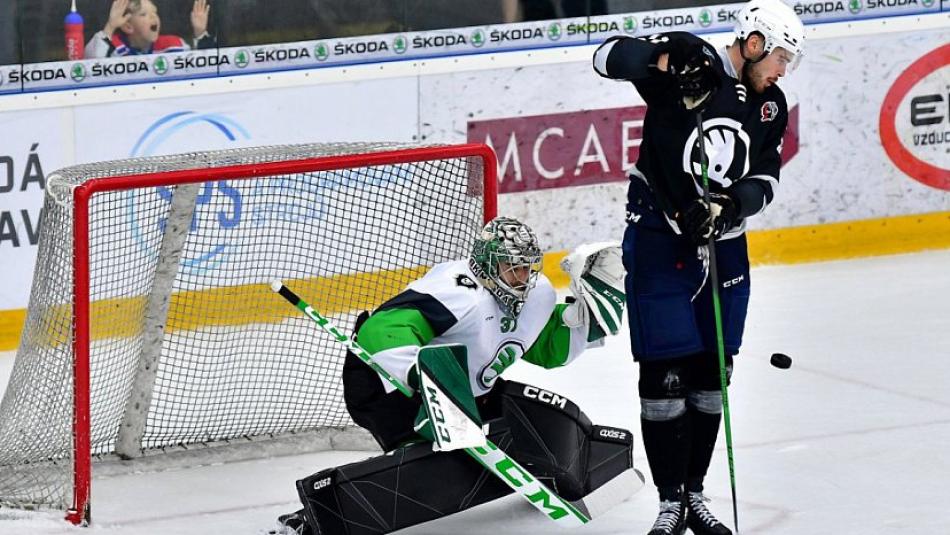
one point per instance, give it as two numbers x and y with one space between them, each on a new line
692 67
596 273
700 221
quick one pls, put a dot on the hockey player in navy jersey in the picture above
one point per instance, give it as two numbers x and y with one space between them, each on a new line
489 310
672 325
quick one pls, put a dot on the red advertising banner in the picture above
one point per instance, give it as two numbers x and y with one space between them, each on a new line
575 148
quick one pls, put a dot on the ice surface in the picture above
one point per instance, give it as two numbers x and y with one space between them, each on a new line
851 440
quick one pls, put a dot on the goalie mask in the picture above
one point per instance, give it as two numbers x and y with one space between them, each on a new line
506 259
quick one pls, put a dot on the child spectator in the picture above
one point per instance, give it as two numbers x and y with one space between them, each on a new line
133 28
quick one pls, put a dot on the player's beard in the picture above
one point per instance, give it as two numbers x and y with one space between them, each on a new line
755 77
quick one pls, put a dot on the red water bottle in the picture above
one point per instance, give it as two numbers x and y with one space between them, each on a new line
74 38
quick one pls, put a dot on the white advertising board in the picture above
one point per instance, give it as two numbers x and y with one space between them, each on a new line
240 60
36 143
32 144
372 110
564 136
556 126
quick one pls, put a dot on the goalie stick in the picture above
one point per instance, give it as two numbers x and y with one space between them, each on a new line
564 513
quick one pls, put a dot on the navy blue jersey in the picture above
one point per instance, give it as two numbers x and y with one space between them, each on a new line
743 129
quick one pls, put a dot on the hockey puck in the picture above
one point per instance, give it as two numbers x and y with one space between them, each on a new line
781 360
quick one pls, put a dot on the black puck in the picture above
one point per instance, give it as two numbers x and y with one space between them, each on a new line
781 360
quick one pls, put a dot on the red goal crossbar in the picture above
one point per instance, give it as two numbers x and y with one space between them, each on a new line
79 513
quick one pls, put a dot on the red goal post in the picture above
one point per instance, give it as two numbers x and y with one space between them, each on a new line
160 317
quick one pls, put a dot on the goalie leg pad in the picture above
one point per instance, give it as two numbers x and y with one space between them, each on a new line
406 487
554 439
413 484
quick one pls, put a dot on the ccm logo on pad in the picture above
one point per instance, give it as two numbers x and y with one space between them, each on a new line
325 482
534 392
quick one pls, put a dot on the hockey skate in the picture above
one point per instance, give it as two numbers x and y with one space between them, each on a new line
699 519
671 520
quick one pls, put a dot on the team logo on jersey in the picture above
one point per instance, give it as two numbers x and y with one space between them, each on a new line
507 354
727 152
465 281
769 111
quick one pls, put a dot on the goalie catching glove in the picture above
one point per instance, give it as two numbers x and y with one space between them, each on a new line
596 273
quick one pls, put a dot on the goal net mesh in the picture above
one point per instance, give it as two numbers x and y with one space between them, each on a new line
188 284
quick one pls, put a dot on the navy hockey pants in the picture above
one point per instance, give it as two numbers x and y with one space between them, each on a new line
664 272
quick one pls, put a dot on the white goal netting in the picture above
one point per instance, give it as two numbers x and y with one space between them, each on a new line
187 345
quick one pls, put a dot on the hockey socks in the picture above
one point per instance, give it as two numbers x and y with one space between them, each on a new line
667 446
704 428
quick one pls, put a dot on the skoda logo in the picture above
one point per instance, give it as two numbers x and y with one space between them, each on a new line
727 151
321 52
160 65
399 44
78 72
242 58
630 24
554 31
855 6
478 38
705 18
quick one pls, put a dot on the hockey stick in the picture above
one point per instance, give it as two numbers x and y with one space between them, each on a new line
495 460
717 310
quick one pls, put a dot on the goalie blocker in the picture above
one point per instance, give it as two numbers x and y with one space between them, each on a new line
545 432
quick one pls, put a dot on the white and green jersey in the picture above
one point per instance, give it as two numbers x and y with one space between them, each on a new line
449 306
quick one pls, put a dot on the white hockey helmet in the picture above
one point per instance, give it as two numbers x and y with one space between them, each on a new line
776 21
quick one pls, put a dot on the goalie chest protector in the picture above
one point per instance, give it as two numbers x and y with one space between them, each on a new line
494 340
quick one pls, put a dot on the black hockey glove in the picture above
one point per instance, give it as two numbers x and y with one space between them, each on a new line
692 67
698 221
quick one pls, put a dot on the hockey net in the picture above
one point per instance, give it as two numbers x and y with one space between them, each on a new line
151 325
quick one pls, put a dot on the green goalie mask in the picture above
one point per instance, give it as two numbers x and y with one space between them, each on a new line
506 259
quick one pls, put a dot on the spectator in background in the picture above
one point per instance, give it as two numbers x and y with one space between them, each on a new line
9 36
133 28
525 10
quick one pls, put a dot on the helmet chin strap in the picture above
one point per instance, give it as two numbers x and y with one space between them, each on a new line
748 62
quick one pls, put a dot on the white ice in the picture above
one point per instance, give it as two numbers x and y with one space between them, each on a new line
853 439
